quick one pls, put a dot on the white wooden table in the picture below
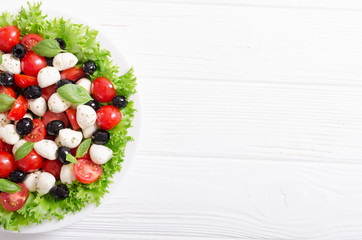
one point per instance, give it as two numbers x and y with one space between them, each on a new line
252 119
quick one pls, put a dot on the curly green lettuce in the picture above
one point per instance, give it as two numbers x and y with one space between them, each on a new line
81 41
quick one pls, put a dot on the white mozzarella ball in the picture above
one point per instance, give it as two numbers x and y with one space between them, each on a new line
30 181
86 116
9 134
3 119
38 106
46 148
70 138
88 132
57 141
63 61
45 182
66 174
48 76
100 154
27 115
10 64
57 104
18 145
85 83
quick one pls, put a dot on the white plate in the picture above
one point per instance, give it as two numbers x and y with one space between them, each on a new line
131 148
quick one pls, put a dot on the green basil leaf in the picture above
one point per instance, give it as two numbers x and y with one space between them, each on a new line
1 57
71 159
74 94
6 102
24 150
47 48
8 186
83 148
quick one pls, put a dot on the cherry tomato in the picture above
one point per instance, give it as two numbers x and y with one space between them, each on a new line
108 117
9 36
24 81
53 167
31 163
103 90
7 164
15 201
50 116
72 115
38 133
72 74
5 146
19 109
30 40
74 152
8 91
87 171
48 91
31 64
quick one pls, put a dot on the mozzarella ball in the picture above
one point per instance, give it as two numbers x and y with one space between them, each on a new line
57 141
45 182
10 64
9 134
46 148
3 119
88 132
48 76
85 83
66 174
18 145
70 138
57 104
63 61
30 181
100 154
38 106
86 116
27 115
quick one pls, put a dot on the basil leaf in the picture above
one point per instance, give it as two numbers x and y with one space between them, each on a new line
71 159
6 102
74 94
83 148
1 57
24 150
47 48
8 186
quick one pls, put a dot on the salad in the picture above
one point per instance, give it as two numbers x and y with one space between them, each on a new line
64 117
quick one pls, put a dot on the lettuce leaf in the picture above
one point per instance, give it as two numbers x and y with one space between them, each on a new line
81 41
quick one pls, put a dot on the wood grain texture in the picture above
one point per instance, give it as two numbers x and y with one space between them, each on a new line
252 120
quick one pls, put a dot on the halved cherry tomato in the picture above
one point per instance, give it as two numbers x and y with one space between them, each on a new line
19 109
31 163
74 152
8 91
108 117
50 116
7 164
15 201
103 90
32 63
87 171
5 146
72 74
30 40
72 115
48 91
38 133
53 167
9 36
24 81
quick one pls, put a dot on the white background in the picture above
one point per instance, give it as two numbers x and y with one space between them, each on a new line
252 119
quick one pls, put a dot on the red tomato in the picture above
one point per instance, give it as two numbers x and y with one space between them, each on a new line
7 164
19 109
74 152
108 117
72 74
15 201
30 40
31 64
9 36
87 171
48 91
50 116
103 90
53 167
31 163
5 146
8 91
24 81
38 133
72 115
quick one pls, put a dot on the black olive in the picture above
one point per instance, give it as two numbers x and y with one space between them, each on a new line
54 127
49 61
17 176
63 82
18 51
62 154
94 104
24 126
120 101
59 192
61 43
89 67
33 92
101 137
7 79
